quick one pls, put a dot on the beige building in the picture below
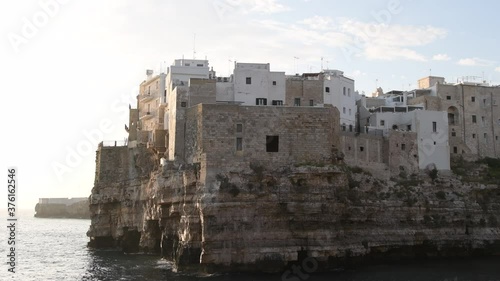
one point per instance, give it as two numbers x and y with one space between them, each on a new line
473 116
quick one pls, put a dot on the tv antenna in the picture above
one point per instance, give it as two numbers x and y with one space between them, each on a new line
194 46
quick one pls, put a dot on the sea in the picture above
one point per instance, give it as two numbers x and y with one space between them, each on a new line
56 249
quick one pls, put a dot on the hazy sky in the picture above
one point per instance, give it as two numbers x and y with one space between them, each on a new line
69 66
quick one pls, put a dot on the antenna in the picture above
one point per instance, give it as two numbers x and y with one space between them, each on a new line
430 71
194 46
321 64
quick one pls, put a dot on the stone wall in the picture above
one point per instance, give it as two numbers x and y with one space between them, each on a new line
306 90
306 135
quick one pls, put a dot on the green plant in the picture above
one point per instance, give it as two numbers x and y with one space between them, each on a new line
441 195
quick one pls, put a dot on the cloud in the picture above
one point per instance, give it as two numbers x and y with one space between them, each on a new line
374 41
474 62
441 57
264 6
318 23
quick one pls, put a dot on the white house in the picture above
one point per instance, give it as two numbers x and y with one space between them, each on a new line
339 92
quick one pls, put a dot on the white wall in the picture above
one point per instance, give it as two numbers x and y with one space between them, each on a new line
261 83
335 80
433 147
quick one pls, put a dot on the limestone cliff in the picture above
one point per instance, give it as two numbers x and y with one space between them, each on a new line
79 210
255 218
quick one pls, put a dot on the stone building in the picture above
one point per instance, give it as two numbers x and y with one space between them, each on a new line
402 137
472 113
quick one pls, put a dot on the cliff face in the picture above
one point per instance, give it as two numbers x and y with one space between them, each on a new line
261 219
79 210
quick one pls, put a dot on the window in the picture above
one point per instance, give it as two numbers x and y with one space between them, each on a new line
343 110
455 150
349 111
382 122
149 108
296 102
239 143
473 136
343 127
485 135
277 102
311 102
274 83
451 119
249 80
453 134
350 128
448 97
272 143
183 104
349 148
408 127
496 137
361 148
473 118
473 99
483 120
484 101
157 85
434 127
187 64
260 101
200 65
327 89
149 90
403 146
349 92
344 91
239 128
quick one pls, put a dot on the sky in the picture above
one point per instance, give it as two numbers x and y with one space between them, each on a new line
70 68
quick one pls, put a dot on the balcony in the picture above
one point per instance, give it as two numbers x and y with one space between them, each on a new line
146 116
146 97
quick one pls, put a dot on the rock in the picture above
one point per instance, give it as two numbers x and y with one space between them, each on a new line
256 219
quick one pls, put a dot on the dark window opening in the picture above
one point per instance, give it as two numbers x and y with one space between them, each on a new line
382 123
350 128
277 102
453 134
474 120
260 101
434 127
473 99
296 102
455 150
349 148
473 136
311 102
274 83
496 137
249 80
448 97
403 146
272 143
239 128
327 89
408 127
361 148
199 65
343 127
451 119
485 135
183 104
239 144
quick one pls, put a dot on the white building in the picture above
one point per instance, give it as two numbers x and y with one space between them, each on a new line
431 128
255 84
339 92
